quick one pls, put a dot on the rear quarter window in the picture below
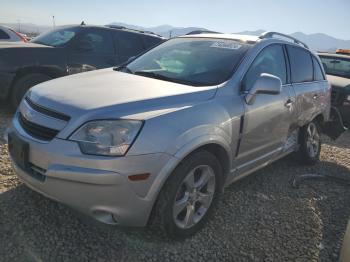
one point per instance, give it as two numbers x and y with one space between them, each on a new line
149 41
4 35
301 64
318 74
128 44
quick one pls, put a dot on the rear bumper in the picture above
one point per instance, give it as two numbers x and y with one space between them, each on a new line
5 83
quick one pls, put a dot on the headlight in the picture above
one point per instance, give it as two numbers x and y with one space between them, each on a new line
107 137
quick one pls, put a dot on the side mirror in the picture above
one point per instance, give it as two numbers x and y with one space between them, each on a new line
266 84
84 45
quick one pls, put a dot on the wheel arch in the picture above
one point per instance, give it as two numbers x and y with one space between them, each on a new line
50 71
218 149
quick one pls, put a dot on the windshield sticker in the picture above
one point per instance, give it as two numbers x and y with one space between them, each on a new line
226 45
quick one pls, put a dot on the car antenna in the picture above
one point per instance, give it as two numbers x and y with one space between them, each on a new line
82 23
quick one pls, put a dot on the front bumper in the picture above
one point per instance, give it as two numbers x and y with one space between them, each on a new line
96 186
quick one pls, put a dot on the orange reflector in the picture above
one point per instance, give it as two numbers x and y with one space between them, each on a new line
139 177
343 51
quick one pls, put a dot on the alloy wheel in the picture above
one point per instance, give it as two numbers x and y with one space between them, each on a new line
194 196
313 140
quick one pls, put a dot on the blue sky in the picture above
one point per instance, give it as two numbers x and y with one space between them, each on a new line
309 16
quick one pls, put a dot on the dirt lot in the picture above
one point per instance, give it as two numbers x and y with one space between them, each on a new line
261 218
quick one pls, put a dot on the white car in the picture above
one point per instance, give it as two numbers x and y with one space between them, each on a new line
9 35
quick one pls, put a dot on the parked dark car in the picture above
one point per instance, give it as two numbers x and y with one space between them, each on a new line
64 51
337 67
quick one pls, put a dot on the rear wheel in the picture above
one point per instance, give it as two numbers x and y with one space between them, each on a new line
189 195
310 143
23 84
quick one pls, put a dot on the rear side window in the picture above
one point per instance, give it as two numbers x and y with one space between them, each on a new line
271 60
100 40
4 35
318 74
128 44
301 64
149 41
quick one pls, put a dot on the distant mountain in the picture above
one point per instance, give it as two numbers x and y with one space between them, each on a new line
163 30
256 32
318 41
322 42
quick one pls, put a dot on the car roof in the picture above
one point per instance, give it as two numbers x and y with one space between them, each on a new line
334 55
251 39
117 28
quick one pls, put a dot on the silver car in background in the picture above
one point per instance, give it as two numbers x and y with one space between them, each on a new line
155 141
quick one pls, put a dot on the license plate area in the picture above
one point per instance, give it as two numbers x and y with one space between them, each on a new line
19 150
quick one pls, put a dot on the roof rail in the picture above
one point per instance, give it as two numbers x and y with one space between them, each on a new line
270 34
131 29
116 26
197 32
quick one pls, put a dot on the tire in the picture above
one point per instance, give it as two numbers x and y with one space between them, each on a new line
176 195
23 84
310 144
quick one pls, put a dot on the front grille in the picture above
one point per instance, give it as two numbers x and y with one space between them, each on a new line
37 131
47 111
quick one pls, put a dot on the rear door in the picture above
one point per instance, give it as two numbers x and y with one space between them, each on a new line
308 92
92 49
268 120
127 45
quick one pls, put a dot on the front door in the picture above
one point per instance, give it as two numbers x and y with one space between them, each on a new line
93 49
268 120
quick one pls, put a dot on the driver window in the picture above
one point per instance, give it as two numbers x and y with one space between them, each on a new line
271 61
101 41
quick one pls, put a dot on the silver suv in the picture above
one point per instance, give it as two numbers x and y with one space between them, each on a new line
156 140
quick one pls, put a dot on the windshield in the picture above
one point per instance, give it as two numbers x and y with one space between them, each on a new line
56 38
336 66
192 61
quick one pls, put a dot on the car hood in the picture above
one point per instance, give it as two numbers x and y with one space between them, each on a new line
105 93
337 81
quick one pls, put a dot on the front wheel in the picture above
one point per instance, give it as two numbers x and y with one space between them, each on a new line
23 84
189 195
310 143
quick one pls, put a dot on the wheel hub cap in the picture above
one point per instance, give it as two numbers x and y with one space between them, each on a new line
313 140
194 196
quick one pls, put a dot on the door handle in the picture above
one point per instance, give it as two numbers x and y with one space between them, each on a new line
315 96
288 103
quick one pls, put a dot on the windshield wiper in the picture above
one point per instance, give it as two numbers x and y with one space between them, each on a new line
167 78
154 75
123 68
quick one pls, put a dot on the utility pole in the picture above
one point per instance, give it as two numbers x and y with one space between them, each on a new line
53 22
19 25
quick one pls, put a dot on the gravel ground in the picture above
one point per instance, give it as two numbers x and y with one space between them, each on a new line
260 218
